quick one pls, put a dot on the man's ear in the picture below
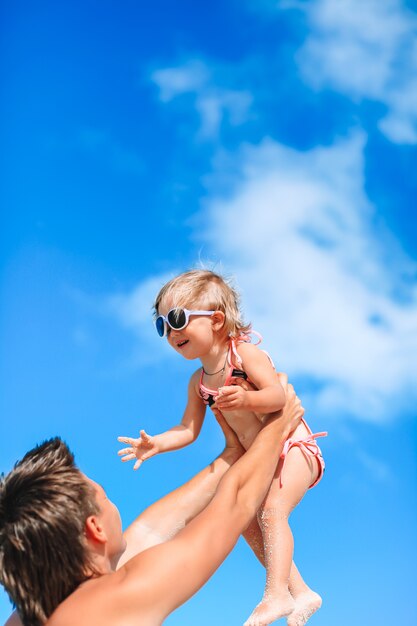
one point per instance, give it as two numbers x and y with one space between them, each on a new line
217 320
94 529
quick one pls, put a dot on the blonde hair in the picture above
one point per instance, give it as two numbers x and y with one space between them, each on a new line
203 289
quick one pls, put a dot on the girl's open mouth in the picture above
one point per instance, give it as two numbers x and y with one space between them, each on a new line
182 343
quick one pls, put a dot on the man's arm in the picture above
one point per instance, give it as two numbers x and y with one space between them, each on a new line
166 517
163 519
167 575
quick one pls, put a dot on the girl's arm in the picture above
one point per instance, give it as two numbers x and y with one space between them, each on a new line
146 446
158 580
269 396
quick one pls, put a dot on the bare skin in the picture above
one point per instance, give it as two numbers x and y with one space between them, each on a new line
141 590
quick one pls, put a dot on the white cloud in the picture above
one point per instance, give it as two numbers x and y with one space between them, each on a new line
213 103
366 49
174 81
317 278
331 290
335 298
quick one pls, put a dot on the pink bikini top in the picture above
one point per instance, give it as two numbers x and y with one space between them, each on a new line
209 395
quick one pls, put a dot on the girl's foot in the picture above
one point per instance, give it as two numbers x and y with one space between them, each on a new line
271 609
306 604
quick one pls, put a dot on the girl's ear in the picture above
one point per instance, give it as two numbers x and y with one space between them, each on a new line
217 320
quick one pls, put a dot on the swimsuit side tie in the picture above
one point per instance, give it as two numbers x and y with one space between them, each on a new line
307 446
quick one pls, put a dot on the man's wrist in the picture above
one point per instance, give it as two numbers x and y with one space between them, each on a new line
278 424
232 454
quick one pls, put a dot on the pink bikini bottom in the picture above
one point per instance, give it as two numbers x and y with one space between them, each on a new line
308 446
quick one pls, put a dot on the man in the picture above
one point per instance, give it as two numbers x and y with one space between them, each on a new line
61 538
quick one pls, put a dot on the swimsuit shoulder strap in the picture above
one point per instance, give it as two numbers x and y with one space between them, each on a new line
233 358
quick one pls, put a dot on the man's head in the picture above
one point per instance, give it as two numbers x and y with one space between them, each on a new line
47 507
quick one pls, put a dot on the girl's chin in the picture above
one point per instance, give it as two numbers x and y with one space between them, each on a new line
187 354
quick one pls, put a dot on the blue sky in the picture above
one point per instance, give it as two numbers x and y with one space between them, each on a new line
274 141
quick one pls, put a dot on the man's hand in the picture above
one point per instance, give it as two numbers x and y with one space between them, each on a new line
293 412
140 449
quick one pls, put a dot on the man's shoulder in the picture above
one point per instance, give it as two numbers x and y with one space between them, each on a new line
91 603
104 601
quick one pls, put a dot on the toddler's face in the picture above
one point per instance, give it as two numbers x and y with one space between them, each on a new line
196 339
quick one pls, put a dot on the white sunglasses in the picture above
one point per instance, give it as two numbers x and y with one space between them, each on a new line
177 319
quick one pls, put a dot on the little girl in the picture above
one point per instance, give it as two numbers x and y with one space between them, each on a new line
198 312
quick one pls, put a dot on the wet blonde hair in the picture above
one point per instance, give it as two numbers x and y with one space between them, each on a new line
203 289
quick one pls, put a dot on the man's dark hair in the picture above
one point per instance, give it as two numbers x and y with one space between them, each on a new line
44 503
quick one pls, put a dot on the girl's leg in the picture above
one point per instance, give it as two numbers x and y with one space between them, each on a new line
254 538
307 601
299 473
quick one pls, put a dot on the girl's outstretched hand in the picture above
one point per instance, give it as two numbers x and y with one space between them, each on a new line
140 449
